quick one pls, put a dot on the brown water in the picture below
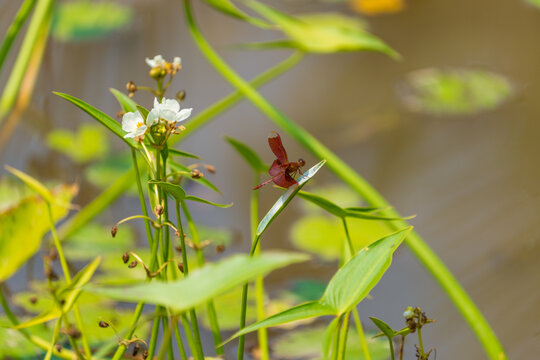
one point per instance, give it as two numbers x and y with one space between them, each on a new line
471 180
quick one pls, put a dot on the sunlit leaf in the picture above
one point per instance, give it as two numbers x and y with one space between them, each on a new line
14 28
66 296
88 20
375 7
306 344
12 191
16 346
87 144
32 183
202 284
324 235
249 155
24 225
359 275
176 152
228 8
284 199
454 91
127 104
303 311
100 116
322 37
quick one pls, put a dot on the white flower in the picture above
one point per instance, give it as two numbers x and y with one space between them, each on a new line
177 62
157 61
133 124
168 110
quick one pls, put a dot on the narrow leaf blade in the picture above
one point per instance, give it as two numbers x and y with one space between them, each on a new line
323 203
174 190
207 202
127 104
384 327
32 183
183 154
286 198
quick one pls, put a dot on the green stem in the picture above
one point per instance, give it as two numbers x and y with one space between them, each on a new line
142 200
335 352
179 340
118 187
210 306
54 338
189 333
67 276
421 344
343 338
423 252
363 342
259 281
155 331
14 28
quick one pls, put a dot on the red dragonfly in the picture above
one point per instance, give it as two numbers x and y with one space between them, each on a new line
282 171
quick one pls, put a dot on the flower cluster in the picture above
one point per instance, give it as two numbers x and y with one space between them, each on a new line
160 67
167 113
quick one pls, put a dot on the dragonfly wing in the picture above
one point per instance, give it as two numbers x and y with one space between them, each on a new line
274 140
284 180
276 168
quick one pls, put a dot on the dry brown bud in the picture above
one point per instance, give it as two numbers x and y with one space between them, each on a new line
145 354
120 114
73 333
178 248
125 257
196 174
210 168
58 348
158 210
136 349
220 248
103 324
181 267
131 87
133 264
114 230
33 299
181 95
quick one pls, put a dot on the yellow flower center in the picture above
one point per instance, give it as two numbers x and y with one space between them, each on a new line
139 124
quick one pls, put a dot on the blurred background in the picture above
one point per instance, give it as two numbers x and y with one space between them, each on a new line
449 133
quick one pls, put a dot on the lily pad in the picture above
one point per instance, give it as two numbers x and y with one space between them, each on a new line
85 20
454 91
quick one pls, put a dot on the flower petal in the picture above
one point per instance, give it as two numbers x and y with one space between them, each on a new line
183 115
170 104
153 117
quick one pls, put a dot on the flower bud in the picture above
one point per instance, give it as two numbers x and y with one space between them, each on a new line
131 87
210 168
156 73
181 267
181 95
133 264
114 230
125 257
408 313
196 174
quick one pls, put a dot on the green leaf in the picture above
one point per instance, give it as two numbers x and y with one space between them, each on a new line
328 337
535 3
284 200
176 152
207 202
68 295
100 116
83 20
202 284
174 190
32 183
299 312
127 104
353 282
89 143
454 91
14 28
323 203
23 226
384 327
248 154
187 174
228 8
322 37
143 111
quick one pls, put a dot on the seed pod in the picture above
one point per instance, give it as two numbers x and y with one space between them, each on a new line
210 168
33 299
114 230
178 248
145 354
196 174
181 267
158 210
58 348
131 87
73 333
220 248
133 264
125 257
136 349
103 324
181 95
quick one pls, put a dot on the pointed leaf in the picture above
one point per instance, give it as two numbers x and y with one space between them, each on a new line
248 154
322 37
228 8
284 200
207 202
174 190
32 183
323 203
143 111
202 284
353 282
100 116
127 104
182 153
384 327
367 216
299 312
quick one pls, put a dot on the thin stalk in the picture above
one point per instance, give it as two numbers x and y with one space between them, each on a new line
337 338
421 344
142 200
179 340
420 249
189 333
259 281
198 350
154 333
166 344
361 335
14 28
36 340
67 276
118 187
343 338
54 338
210 307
